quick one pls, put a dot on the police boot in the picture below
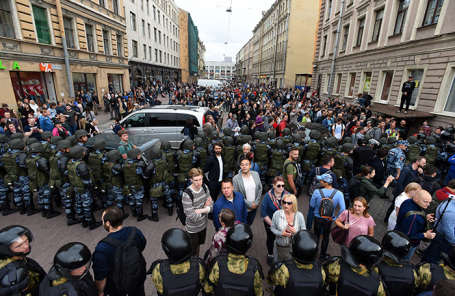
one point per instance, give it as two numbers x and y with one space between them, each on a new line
22 210
84 223
31 209
51 213
134 212
43 212
154 218
93 224
141 216
58 201
71 220
7 210
96 207
125 215
170 211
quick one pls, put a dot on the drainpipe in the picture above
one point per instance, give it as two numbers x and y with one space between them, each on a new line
335 52
286 43
65 47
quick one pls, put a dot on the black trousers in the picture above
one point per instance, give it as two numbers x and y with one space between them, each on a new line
406 99
325 226
215 188
270 239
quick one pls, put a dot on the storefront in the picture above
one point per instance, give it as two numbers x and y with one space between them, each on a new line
85 82
140 72
115 82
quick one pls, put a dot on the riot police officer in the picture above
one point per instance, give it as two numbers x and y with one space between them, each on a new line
278 156
261 155
95 161
179 274
430 274
398 275
81 179
46 137
354 273
4 201
187 159
38 171
19 274
235 273
133 170
81 137
113 177
430 151
156 171
396 159
312 149
343 168
199 143
301 275
229 157
70 273
171 158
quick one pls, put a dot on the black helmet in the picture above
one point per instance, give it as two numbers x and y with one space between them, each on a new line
263 136
176 244
256 135
199 142
347 148
36 148
201 135
188 145
239 239
11 234
446 136
412 140
113 155
133 153
421 136
449 259
297 138
450 147
46 135
347 140
244 130
383 141
17 144
364 250
70 257
80 133
279 144
331 142
450 129
304 247
76 152
16 136
315 135
271 134
165 145
391 140
30 141
55 140
286 132
368 137
227 131
437 138
3 138
229 141
214 135
362 141
63 144
431 140
396 245
99 144
72 139
246 139
155 153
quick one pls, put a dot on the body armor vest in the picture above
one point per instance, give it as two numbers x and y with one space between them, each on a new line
352 283
185 162
339 169
313 151
399 280
13 169
170 158
186 284
75 180
431 154
261 153
94 163
229 154
413 151
160 174
54 172
277 160
37 177
131 177
302 281
203 155
48 151
230 283
109 178
437 274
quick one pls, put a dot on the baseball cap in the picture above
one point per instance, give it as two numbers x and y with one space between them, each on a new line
410 76
325 177
403 142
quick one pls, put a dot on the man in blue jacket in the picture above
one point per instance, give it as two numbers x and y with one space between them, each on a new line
231 200
412 220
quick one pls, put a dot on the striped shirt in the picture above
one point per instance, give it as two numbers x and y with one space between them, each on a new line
196 222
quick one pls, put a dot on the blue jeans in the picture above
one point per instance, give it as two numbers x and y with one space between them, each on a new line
250 217
310 218
439 244
72 128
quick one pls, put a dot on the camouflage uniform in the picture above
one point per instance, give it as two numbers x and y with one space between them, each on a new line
425 275
236 264
395 160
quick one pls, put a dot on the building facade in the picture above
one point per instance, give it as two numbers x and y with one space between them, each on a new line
244 63
201 58
283 43
224 70
32 63
153 40
189 37
381 44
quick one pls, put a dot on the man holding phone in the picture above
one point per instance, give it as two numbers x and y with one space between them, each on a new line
32 130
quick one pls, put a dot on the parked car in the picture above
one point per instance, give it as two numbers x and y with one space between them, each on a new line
164 122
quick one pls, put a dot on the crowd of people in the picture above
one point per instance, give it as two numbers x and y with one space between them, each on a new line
277 146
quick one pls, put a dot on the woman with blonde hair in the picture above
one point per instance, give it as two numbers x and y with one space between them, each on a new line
285 223
357 220
409 192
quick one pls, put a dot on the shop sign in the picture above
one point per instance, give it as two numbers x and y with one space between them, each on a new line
45 67
15 65
57 67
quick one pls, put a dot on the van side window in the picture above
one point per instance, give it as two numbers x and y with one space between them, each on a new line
181 120
161 119
136 120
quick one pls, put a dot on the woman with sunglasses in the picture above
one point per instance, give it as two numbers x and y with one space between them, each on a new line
270 204
285 223
367 189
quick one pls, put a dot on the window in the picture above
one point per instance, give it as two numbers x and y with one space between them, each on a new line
432 12
161 56
181 120
345 38
450 103
119 45
149 31
159 36
89 37
418 77
136 120
6 22
367 82
102 3
69 32
351 85
41 25
133 21
329 9
386 85
156 55
115 6
143 28
148 7
324 46
360 32
401 16
144 47
162 119
159 17
150 53
134 49
338 83
154 33
377 24
154 12
106 42
142 4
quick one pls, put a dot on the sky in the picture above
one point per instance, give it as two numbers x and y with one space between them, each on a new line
215 28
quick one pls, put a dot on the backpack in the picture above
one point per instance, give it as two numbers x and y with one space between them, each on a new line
315 183
354 187
180 213
428 186
129 264
326 208
299 180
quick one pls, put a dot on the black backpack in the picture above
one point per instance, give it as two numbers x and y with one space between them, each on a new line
314 185
326 208
180 213
354 187
129 267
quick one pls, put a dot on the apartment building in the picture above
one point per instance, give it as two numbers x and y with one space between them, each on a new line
201 58
223 70
153 40
283 43
32 55
381 43
189 36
